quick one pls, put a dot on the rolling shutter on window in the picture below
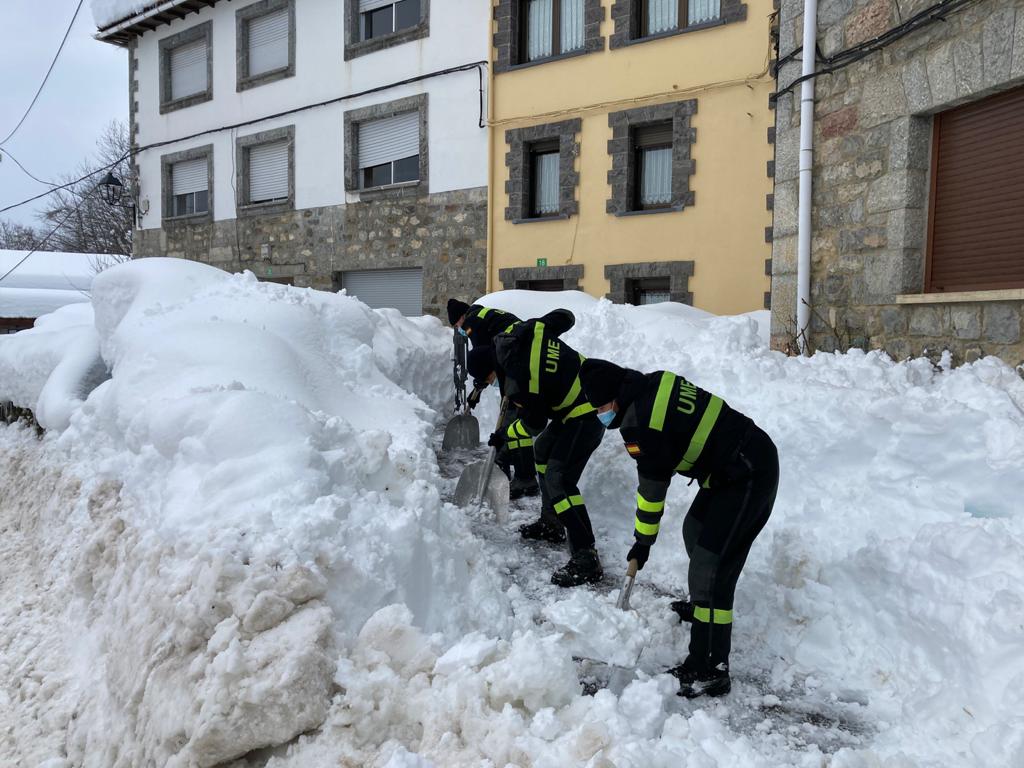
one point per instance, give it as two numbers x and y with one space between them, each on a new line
188 69
268 172
268 42
977 219
188 176
401 289
372 5
392 138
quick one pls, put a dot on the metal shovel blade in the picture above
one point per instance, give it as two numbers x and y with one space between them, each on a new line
463 431
622 603
495 493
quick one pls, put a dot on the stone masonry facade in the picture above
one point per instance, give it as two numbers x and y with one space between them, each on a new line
443 233
872 160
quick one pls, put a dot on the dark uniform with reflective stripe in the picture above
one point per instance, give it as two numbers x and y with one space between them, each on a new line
482 325
673 427
542 378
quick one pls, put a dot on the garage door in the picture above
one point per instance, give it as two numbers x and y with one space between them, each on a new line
401 289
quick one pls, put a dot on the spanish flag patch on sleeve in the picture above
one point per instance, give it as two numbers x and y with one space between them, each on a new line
633 449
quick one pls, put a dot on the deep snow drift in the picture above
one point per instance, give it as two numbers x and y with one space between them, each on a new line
241 536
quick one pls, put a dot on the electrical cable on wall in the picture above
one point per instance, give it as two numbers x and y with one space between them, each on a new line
46 77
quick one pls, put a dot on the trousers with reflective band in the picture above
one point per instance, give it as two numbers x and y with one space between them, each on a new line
568 502
703 615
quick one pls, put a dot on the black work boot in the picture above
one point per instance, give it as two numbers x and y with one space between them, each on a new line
584 567
699 678
521 487
683 609
542 530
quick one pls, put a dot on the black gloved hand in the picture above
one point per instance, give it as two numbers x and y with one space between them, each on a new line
496 440
640 553
474 398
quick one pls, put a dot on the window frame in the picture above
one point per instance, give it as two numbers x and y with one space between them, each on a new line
534 151
637 286
509 39
243 18
355 46
243 146
638 150
167 46
629 21
518 160
556 34
354 174
167 163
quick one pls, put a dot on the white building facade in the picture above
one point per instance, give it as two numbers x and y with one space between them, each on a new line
328 143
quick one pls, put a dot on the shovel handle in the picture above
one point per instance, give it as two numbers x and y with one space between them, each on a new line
491 456
631 569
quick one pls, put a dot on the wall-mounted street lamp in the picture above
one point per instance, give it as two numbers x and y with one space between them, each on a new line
112 190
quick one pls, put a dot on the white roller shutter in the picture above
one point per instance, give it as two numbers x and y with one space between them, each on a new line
372 5
382 141
188 69
401 289
268 42
268 172
189 176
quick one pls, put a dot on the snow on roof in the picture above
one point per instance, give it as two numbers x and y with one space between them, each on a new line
119 21
107 12
49 269
36 302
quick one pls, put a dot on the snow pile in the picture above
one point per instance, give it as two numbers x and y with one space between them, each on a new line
108 12
45 281
240 537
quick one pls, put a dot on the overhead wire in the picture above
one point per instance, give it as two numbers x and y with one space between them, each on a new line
25 170
46 77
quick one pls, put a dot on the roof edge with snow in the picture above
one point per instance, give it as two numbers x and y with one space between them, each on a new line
122 31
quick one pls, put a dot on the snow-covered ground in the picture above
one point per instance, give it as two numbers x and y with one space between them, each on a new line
233 546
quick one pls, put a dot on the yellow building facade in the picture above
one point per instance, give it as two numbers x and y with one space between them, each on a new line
631 149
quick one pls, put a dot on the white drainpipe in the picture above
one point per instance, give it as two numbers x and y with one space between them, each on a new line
803 249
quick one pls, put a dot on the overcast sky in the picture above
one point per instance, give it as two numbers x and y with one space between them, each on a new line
88 89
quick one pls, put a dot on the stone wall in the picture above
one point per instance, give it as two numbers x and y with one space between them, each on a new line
873 127
445 234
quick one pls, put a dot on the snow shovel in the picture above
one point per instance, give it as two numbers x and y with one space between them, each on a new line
462 430
479 482
627 586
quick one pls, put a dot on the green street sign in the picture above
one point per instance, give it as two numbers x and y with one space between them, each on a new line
542 262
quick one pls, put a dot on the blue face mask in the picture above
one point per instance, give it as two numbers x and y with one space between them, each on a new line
607 418
461 332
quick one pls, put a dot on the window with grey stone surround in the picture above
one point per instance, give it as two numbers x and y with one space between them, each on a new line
246 149
358 43
522 143
355 117
521 277
261 55
625 175
626 280
637 21
182 61
574 28
167 164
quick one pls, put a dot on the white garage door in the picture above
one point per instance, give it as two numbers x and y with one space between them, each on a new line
401 289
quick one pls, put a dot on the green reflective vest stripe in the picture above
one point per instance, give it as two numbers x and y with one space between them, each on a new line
526 442
535 353
566 503
647 529
700 437
574 392
661 401
541 468
703 615
580 410
483 311
649 506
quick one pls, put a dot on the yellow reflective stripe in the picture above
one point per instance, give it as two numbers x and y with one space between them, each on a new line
562 505
574 392
661 401
703 615
541 468
520 429
509 328
649 506
483 311
579 410
700 437
647 529
524 443
511 431
576 501
535 350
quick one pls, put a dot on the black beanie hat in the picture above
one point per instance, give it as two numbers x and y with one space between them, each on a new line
456 309
601 380
481 362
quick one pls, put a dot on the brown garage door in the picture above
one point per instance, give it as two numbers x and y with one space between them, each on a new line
976 222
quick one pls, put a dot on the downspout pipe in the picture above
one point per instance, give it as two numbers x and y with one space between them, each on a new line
803 248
